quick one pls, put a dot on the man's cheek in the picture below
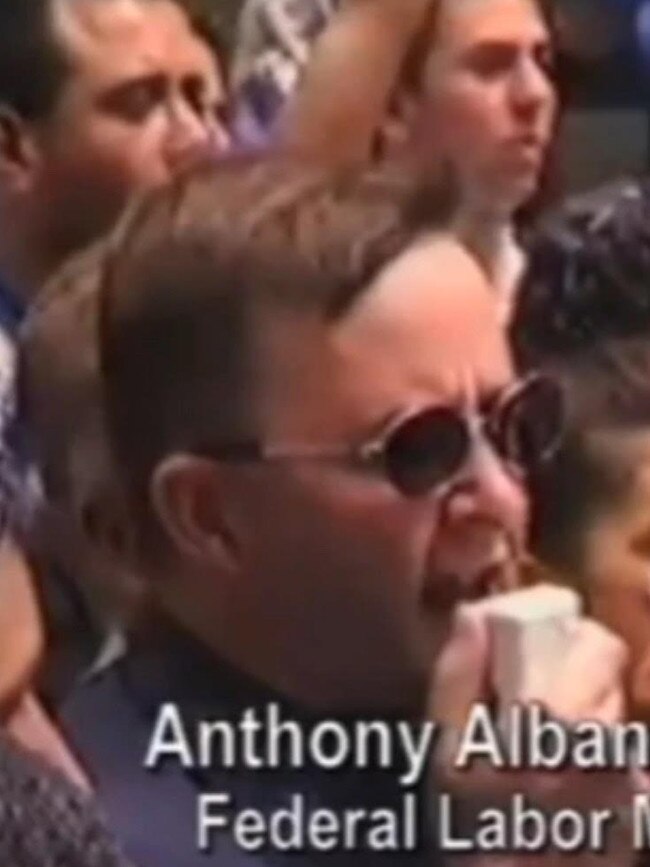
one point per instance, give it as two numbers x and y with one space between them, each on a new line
130 155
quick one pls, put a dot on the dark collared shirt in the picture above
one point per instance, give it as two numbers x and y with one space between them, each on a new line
111 718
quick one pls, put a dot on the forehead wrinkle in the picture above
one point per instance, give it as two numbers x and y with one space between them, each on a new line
308 388
383 356
88 28
82 20
396 316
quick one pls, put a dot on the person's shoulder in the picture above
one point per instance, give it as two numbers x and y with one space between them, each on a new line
100 716
152 811
45 820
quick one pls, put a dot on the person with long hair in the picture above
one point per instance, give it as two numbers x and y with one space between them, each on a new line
464 85
583 314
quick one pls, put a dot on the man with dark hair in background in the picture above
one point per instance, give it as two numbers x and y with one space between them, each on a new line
97 101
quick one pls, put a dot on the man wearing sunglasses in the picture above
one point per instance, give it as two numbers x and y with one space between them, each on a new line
325 453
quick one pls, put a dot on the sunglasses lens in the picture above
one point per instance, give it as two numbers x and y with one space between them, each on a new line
426 450
531 423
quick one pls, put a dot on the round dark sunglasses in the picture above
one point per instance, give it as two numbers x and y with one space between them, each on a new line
429 448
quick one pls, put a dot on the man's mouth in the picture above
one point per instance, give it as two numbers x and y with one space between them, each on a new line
448 590
472 583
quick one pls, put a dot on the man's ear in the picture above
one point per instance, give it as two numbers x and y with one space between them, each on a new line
186 494
19 154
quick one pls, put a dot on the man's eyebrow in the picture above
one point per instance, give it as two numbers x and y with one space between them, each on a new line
150 80
384 425
378 428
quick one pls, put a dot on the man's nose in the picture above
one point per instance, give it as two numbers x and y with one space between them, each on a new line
490 491
191 135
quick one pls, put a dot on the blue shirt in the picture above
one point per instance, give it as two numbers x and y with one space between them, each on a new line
14 457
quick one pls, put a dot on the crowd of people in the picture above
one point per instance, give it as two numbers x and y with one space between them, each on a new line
303 356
